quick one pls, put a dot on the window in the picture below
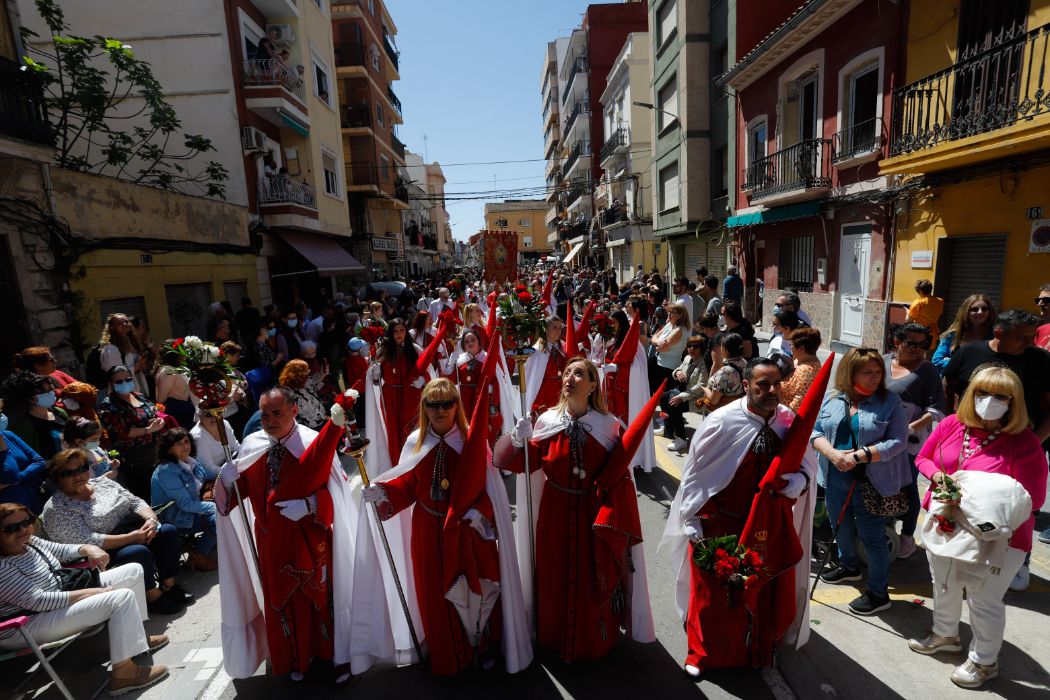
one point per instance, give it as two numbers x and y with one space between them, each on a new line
379 115
667 105
669 187
666 20
796 263
372 6
384 167
322 87
252 37
756 141
525 223
330 166
373 55
526 241
862 109
723 154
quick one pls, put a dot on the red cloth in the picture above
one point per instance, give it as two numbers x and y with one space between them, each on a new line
581 547
710 613
469 376
447 642
1042 337
501 256
550 387
295 561
355 369
400 403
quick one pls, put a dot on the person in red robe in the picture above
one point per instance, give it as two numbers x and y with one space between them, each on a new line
544 368
402 385
621 352
469 357
729 456
583 569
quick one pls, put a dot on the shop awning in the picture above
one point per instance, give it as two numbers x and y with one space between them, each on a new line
576 248
327 256
791 211
293 123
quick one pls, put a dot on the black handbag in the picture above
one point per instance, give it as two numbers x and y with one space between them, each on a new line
70 578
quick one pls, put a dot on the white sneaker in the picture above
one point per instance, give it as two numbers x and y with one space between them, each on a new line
659 432
1020 582
679 445
973 675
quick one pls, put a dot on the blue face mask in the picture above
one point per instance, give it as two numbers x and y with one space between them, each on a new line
3 421
92 445
271 332
46 400
125 387
292 322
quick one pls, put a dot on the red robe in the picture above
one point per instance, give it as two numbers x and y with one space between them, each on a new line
580 567
550 386
355 369
709 608
447 643
616 389
400 403
469 376
479 330
295 561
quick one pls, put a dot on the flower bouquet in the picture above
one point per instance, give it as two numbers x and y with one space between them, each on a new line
733 565
211 376
602 325
948 493
371 331
524 319
455 289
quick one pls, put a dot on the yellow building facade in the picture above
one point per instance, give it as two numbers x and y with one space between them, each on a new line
971 151
527 218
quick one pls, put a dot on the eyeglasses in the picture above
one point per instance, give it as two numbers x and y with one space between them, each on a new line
915 343
979 310
440 405
694 347
17 527
1042 300
72 472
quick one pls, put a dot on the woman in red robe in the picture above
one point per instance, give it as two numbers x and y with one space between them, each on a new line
474 320
587 521
422 332
402 385
544 368
616 385
428 486
469 359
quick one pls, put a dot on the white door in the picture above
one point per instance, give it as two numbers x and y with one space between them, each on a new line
854 257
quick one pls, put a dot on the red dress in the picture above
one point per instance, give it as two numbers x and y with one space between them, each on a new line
727 626
550 385
447 643
400 403
581 566
294 558
469 375
616 388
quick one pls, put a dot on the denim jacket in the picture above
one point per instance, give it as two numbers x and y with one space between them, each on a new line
171 482
883 428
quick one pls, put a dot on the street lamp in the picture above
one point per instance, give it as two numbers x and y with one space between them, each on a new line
650 105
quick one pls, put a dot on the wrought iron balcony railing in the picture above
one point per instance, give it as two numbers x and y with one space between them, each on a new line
284 190
391 52
578 108
857 140
393 99
616 139
23 112
362 173
272 72
994 89
579 66
802 166
356 116
349 55
613 215
580 148
399 148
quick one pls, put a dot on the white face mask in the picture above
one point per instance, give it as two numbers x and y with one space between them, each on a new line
990 408
71 404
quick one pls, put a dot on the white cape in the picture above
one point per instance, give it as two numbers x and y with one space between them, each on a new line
637 396
243 626
379 628
715 453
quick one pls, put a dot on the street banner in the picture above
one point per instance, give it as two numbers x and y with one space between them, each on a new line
501 256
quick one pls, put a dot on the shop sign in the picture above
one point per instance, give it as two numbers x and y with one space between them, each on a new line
922 259
387 244
1039 241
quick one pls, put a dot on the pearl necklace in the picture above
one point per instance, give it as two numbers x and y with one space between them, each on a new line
968 451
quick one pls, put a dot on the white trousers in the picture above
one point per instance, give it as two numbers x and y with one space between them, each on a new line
984 596
124 608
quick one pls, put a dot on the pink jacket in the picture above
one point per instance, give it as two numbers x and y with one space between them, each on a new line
1020 456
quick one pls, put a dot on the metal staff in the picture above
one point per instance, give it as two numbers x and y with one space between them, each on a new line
359 455
225 442
520 359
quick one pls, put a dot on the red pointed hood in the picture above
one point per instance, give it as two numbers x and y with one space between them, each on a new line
424 360
490 322
624 451
545 297
629 347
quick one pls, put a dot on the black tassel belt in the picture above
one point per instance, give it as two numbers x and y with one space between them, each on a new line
435 513
566 489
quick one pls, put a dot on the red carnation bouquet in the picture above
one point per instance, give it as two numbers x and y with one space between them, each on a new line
734 566
455 289
602 325
371 331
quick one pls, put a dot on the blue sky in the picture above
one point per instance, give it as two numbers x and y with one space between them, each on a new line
470 80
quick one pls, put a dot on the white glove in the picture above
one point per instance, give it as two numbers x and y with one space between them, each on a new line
338 415
375 372
295 510
692 529
610 368
481 524
521 432
453 359
796 484
373 494
228 474
418 383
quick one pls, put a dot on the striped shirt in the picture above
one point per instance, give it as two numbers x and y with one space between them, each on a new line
26 580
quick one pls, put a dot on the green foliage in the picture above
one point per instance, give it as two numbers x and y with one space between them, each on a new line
93 85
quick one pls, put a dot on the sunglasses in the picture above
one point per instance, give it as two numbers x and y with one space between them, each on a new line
1042 300
72 472
694 347
17 527
980 310
915 343
440 405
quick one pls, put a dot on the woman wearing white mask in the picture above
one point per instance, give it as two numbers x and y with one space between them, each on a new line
86 435
989 433
132 424
31 397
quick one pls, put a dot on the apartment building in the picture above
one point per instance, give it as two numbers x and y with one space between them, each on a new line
367 65
550 91
526 218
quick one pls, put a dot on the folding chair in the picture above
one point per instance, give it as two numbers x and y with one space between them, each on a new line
55 648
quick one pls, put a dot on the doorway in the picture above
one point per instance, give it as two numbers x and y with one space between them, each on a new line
854 258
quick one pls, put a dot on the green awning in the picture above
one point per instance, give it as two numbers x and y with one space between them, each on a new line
294 125
791 211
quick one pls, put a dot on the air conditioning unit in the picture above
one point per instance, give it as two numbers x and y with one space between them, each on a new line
285 35
253 140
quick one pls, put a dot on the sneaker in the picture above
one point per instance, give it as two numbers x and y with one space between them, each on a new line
1044 536
973 675
156 641
659 432
1020 582
840 574
179 593
164 605
930 643
907 547
144 677
869 604
692 671
679 445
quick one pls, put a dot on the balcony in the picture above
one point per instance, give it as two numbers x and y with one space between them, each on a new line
393 99
267 72
276 94
860 143
578 108
430 243
284 190
579 66
393 54
616 143
613 216
357 116
798 172
347 55
578 150
987 106
399 148
23 112
362 176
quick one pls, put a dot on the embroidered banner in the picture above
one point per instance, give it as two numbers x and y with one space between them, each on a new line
501 256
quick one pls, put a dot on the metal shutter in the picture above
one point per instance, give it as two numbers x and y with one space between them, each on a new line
967 265
132 307
188 308
694 256
233 291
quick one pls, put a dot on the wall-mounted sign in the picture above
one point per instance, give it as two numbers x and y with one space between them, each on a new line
922 259
387 244
1039 241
